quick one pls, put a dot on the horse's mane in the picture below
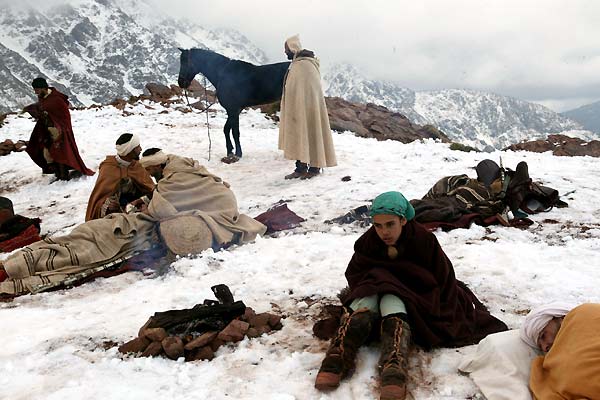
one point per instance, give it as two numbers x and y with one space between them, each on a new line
219 54
210 51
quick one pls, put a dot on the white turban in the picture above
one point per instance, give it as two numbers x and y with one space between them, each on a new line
155 159
538 318
294 44
126 148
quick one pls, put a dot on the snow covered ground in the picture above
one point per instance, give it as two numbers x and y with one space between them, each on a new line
51 343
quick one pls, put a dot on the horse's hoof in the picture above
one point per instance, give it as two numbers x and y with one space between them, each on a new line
230 159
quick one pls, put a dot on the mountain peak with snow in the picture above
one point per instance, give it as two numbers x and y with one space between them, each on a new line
100 49
476 118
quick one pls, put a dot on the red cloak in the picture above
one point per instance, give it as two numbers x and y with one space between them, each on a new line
64 150
442 311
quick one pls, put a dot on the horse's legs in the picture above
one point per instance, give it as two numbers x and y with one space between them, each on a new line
235 125
226 130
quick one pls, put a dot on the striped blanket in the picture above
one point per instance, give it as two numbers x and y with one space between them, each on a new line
89 245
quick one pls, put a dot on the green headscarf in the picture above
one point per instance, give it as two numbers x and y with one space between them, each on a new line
392 203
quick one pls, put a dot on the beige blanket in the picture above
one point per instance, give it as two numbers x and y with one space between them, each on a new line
571 369
304 132
189 189
88 245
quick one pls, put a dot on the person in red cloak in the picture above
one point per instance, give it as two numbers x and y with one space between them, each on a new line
399 275
52 144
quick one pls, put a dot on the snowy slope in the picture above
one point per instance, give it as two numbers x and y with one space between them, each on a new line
52 342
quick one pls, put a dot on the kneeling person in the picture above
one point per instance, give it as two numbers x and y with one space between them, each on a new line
121 180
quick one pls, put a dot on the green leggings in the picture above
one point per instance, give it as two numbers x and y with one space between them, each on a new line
387 305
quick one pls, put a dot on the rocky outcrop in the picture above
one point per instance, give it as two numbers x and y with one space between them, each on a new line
8 146
560 145
373 121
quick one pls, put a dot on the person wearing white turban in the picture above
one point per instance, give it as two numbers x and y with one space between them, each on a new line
121 180
542 324
304 131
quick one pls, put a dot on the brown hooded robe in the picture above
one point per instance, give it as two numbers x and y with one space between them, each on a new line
111 173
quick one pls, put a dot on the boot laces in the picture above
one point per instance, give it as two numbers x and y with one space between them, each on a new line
396 358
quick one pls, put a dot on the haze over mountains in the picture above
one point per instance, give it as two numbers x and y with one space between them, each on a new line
99 50
588 116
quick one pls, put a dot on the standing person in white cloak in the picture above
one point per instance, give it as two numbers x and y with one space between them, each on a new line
304 132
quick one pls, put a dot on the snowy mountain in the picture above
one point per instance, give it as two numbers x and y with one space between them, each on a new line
347 82
588 116
100 49
470 117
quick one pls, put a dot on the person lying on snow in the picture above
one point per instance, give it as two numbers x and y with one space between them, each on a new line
186 189
457 201
569 337
16 230
400 274
192 209
121 180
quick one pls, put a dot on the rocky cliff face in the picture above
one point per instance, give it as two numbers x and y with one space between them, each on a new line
100 49
371 120
560 145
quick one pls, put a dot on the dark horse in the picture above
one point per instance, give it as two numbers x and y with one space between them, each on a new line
238 85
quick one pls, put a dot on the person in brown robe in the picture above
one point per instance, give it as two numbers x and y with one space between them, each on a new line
52 144
122 180
400 273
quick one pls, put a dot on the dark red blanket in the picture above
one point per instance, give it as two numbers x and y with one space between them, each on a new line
442 310
64 150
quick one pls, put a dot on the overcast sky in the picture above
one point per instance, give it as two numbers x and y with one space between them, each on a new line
545 51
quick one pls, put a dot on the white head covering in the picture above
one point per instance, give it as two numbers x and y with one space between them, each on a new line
155 159
294 44
538 318
127 147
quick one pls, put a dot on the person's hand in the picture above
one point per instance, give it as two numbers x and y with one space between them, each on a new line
137 203
113 207
55 134
144 208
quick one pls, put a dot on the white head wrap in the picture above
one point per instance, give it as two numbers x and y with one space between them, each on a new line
538 318
155 159
294 44
126 148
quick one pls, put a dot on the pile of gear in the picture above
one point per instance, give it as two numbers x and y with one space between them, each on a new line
197 333
457 201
